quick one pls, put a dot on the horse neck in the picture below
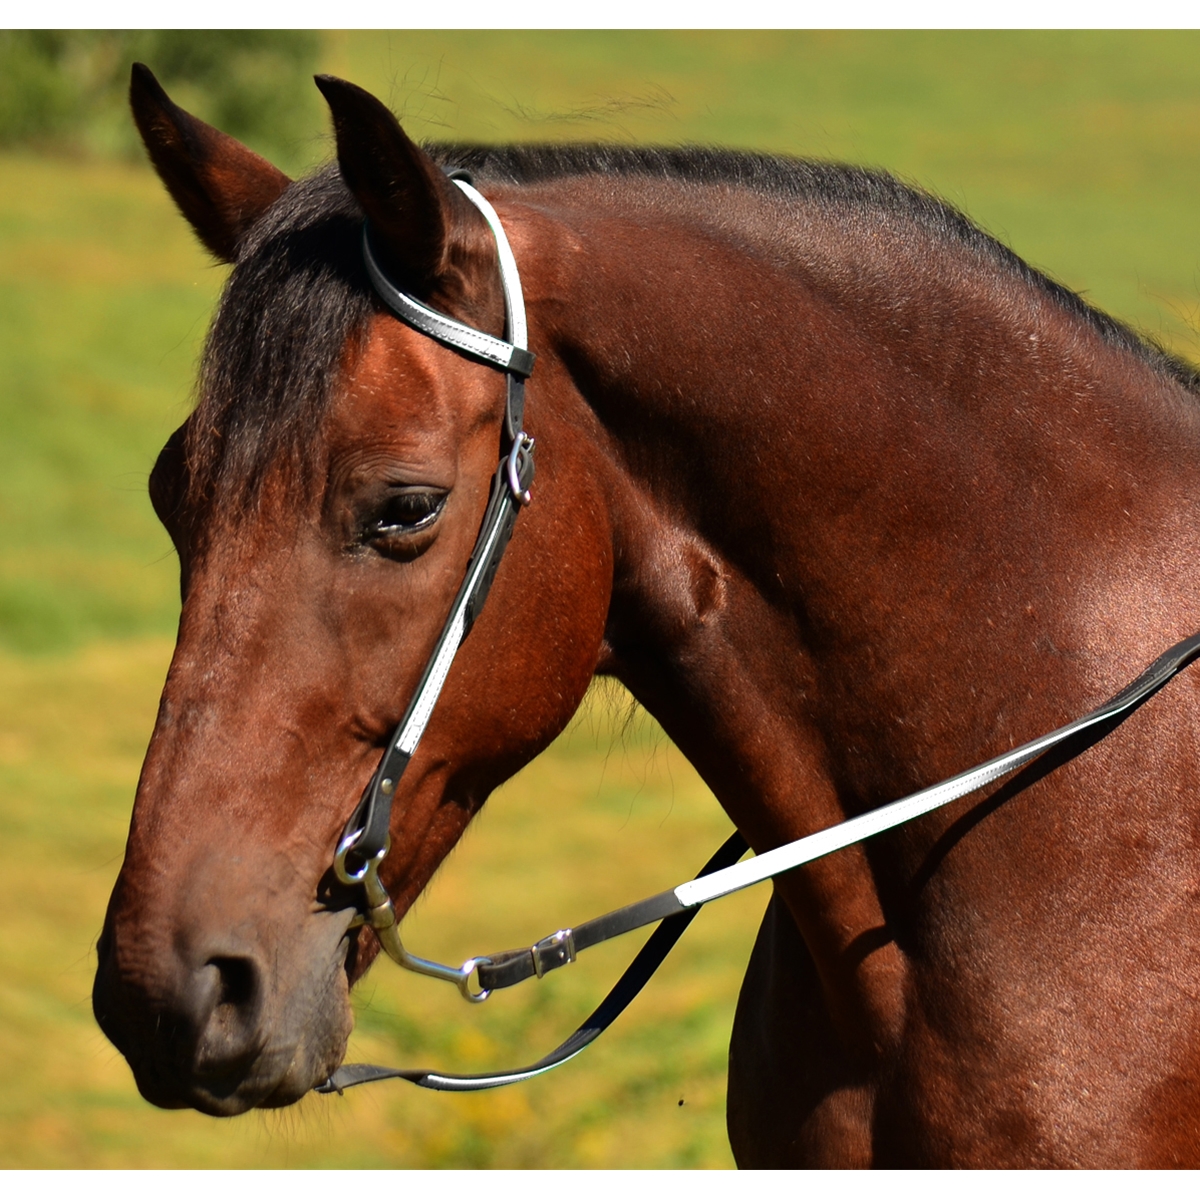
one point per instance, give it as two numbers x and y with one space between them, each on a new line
858 480
817 421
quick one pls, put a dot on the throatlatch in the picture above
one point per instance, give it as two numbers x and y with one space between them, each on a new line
365 841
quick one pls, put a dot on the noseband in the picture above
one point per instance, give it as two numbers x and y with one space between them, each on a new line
365 841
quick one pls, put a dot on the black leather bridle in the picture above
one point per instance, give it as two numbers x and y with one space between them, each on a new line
366 834
365 841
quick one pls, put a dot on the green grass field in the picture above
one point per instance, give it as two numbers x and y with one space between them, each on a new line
1079 150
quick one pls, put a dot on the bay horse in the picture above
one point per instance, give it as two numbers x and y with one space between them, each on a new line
846 494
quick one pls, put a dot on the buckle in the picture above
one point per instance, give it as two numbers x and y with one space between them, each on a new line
520 467
554 951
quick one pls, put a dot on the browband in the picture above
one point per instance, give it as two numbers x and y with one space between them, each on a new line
511 356
472 342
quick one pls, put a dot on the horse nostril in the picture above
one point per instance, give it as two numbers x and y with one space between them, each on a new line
239 982
231 1036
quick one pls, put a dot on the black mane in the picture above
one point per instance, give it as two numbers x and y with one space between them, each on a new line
299 294
822 183
297 300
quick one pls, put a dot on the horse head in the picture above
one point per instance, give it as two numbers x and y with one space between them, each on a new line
324 498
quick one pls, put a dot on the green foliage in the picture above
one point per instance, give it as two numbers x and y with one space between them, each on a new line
66 89
104 297
39 95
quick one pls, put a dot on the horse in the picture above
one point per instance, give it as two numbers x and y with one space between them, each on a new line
846 494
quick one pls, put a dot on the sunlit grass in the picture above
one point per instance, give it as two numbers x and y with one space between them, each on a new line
624 815
104 298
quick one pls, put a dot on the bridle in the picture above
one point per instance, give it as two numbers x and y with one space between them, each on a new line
365 841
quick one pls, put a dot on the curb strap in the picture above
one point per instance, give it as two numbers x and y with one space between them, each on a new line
724 875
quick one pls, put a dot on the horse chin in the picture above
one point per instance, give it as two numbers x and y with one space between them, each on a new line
263 1086
273 1078
229 1096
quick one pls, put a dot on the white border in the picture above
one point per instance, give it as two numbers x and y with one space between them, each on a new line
615 14
601 1185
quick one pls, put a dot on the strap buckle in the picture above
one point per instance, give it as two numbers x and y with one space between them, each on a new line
554 951
520 467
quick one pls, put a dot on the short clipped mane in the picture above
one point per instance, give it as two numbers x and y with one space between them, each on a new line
299 301
822 183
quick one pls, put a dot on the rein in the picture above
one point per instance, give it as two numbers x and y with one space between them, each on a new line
365 842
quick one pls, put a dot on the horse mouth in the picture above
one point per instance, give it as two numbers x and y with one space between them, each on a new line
266 1078
222 1044
233 1093
222 1094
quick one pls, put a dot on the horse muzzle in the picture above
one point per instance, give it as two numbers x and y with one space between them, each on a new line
225 1018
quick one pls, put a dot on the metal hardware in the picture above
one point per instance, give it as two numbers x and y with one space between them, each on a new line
464 983
522 445
380 915
348 877
557 950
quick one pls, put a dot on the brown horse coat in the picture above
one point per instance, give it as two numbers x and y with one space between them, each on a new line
849 498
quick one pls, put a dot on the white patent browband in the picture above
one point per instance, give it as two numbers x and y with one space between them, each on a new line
509 355
510 277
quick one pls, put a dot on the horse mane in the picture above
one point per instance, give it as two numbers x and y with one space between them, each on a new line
296 303
834 185
299 301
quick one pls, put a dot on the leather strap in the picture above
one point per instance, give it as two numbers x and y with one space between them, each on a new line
471 342
723 875
513 966
636 976
367 828
1102 720
373 815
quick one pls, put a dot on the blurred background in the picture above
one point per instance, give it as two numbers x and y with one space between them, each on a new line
1077 149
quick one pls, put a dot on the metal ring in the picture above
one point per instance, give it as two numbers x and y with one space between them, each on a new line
339 860
464 981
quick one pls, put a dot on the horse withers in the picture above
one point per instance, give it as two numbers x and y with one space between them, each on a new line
847 495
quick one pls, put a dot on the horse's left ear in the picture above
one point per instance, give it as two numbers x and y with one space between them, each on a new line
220 186
411 205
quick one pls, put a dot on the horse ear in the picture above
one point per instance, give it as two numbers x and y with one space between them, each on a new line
411 205
219 185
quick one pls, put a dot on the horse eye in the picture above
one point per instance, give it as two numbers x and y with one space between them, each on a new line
405 513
